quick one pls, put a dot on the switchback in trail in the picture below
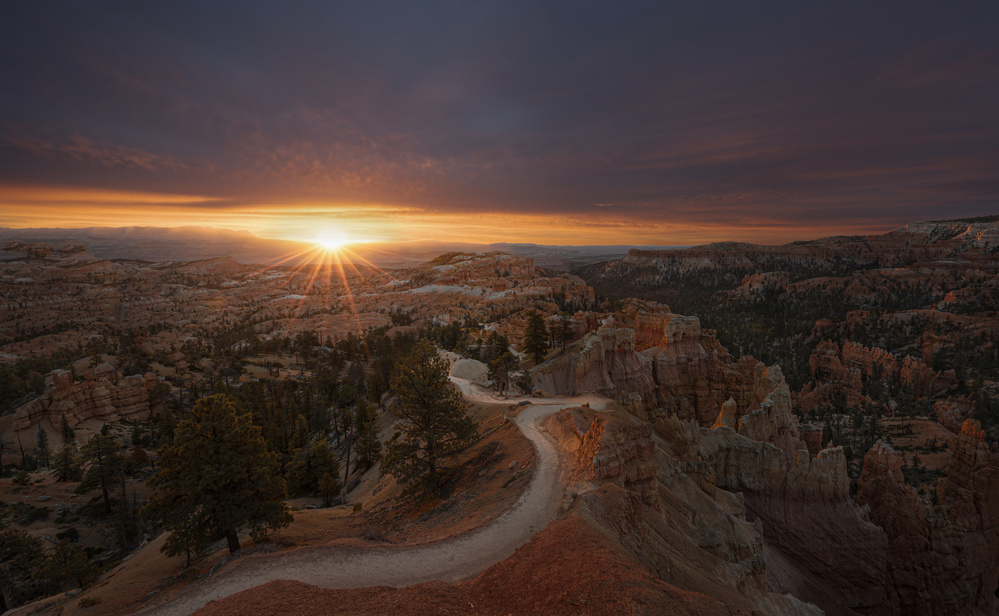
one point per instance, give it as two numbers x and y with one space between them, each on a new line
449 560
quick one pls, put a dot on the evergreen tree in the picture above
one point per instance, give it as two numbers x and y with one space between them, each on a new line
432 427
369 448
329 487
300 436
68 566
21 557
67 464
500 369
43 453
309 465
68 434
105 465
498 344
563 331
216 478
165 425
378 380
139 458
536 336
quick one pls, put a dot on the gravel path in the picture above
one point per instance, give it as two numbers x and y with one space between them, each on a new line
449 560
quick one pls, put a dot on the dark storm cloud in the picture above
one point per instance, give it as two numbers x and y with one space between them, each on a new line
691 112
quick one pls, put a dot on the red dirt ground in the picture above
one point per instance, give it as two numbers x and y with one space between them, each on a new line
570 568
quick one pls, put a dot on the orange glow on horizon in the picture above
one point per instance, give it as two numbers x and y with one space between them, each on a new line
344 224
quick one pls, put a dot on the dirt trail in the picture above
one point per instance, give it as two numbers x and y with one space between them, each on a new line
450 560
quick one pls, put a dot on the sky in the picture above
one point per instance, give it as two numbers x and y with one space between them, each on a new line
550 122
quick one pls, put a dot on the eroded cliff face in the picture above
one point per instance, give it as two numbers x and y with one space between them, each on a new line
100 395
690 534
824 549
677 369
942 558
725 432
604 362
844 369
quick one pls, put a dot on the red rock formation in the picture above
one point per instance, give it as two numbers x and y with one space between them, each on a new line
803 504
942 559
952 412
608 449
687 533
811 434
604 362
726 416
688 373
97 396
847 367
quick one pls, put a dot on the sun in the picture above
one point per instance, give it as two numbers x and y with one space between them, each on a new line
332 239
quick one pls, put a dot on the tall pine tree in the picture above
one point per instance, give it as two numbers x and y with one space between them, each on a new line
43 453
216 478
105 465
433 426
68 434
536 336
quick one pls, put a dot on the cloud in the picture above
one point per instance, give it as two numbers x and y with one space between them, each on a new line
703 116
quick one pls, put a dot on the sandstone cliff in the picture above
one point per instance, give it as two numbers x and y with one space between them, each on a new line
690 535
726 427
942 559
679 370
100 395
604 362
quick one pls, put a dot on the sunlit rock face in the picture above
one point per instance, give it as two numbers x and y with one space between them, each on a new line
687 531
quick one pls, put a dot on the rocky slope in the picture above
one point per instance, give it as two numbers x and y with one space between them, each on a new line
878 554
942 558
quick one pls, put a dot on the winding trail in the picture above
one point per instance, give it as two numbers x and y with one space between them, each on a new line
449 560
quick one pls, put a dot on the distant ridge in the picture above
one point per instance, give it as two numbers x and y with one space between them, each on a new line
199 243
972 220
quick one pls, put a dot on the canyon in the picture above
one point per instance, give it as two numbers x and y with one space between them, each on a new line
799 429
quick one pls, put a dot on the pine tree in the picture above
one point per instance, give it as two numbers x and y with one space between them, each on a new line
67 464
309 465
536 336
499 342
216 478
432 427
68 566
500 369
563 330
165 425
21 558
105 465
43 453
369 448
68 434
300 436
329 488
